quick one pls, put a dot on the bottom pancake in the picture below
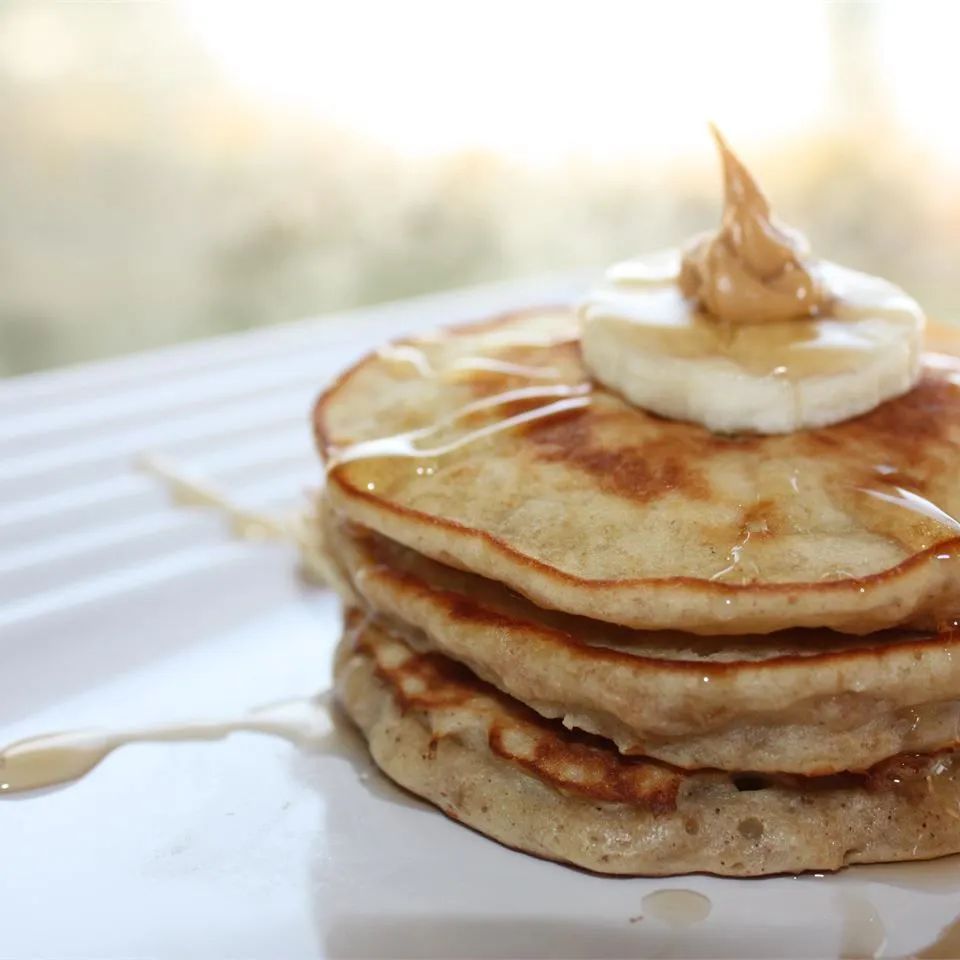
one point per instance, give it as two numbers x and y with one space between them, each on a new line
490 762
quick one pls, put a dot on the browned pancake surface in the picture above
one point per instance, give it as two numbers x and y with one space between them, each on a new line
489 448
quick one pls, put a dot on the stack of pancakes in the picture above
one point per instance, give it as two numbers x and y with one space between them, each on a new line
627 643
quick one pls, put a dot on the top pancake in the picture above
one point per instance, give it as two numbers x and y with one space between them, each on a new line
488 448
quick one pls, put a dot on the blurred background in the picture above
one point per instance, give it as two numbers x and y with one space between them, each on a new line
172 170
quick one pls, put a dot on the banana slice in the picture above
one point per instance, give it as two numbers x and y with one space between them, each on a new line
642 338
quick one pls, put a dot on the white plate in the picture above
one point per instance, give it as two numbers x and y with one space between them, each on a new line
118 609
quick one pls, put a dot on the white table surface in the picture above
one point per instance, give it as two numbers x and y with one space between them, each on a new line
117 608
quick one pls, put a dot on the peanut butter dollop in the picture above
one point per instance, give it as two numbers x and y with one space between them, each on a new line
753 269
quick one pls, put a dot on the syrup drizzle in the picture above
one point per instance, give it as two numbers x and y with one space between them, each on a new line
572 397
59 758
297 527
405 353
188 490
917 504
504 367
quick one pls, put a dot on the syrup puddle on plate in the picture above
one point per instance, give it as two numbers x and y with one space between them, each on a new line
945 947
940 875
923 876
678 908
54 759
862 934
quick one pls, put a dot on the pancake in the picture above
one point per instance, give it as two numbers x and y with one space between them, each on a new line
495 765
809 702
488 448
